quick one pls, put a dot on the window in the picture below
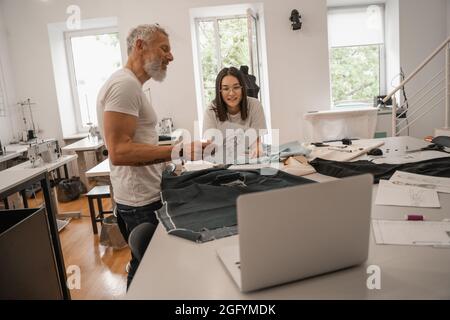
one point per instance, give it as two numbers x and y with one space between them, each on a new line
357 54
93 55
225 42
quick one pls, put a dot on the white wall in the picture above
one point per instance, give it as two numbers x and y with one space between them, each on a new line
448 18
297 61
423 27
392 44
6 74
392 47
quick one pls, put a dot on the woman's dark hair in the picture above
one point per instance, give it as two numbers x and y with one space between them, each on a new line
219 106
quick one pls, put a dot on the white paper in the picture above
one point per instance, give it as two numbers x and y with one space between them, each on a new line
197 165
418 233
419 180
391 194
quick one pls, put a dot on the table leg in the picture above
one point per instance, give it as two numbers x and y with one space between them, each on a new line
66 171
51 211
113 203
62 215
99 154
24 198
111 191
100 209
93 217
82 168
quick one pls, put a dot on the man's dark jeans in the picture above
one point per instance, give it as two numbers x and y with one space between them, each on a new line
128 218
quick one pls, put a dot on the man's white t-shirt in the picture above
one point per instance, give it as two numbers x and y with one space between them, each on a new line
122 92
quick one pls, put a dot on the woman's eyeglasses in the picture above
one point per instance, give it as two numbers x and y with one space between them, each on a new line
227 90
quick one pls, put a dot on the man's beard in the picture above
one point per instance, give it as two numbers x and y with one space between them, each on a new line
154 70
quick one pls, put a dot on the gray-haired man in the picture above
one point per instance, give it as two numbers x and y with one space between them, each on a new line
129 127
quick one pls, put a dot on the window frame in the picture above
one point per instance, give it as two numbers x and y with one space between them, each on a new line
382 51
68 35
218 52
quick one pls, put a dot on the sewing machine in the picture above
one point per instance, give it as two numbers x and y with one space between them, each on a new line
47 150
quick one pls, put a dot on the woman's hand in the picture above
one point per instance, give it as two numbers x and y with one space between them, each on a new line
256 150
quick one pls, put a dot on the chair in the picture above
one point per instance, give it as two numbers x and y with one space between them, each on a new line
139 239
98 193
340 124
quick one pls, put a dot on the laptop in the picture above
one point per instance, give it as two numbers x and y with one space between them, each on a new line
299 232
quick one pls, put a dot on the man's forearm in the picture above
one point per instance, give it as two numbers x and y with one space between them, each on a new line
139 154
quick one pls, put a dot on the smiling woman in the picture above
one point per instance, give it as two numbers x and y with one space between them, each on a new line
231 109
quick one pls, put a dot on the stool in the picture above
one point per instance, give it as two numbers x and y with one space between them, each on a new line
98 192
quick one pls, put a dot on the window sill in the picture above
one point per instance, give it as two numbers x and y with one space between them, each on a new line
381 111
76 136
384 111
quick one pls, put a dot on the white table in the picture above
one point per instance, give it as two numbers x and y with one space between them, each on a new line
48 168
100 173
17 147
12 151
9 155
175 268
80 147
85 144
10 179
61 161
100 170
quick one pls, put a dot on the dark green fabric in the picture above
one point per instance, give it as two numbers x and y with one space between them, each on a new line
201 205
439 167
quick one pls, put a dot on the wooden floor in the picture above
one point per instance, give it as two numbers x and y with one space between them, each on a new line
102 268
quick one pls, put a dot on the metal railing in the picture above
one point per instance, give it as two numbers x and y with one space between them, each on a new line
400 112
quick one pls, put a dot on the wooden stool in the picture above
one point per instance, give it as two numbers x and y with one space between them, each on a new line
98 192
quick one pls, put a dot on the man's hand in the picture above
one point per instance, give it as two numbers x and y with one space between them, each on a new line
192 151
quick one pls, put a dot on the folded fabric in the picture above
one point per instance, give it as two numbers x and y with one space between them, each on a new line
293 148
201 205
439 167
297 166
